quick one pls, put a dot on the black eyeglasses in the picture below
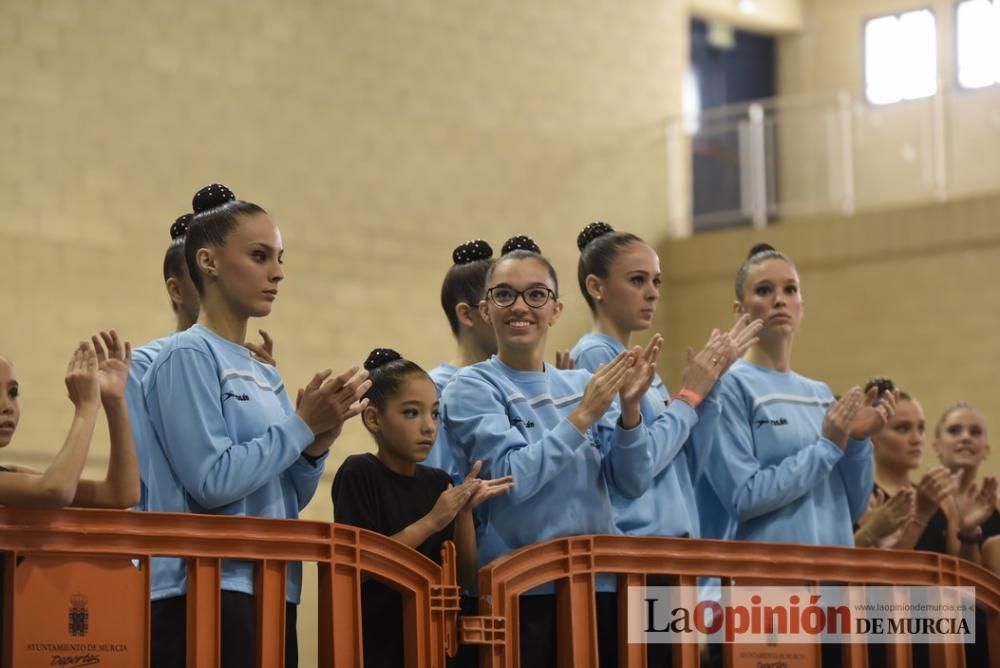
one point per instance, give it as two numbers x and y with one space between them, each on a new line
535 297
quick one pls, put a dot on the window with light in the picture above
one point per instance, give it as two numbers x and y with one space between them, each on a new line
900 57
978 38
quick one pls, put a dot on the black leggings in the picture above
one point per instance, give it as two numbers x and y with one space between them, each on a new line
239 632
537 618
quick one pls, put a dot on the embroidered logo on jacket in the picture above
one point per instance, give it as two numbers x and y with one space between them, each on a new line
237 397
514 421
780 422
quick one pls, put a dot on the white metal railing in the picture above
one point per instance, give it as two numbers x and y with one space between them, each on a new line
780 157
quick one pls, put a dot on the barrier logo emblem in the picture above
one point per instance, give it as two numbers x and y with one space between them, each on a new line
79 616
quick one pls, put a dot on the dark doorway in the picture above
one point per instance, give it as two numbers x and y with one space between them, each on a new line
728 66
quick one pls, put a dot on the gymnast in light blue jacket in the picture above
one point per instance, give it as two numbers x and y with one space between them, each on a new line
168 494
556 432
185 303
229 435
461 291
794 463
161 492
619 276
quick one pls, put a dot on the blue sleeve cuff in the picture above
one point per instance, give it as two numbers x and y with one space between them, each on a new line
566 432
630 438
858 449
299 432
314 462
831 452
685 412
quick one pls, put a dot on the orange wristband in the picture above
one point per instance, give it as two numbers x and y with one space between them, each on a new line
689 396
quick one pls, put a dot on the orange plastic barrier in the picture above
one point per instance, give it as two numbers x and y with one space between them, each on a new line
76 586
572 564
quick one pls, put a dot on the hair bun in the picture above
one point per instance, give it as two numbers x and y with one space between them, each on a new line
471 251
760 248
380 357
520 242
591 232
883 384
211 197
180 226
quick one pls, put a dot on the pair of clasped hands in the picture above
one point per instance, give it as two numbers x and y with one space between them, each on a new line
631 373
98 370
938 488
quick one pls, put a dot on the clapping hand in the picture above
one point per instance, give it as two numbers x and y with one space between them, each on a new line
706 366
264 352
81 377
934 487
641 375
976 504
839 417
874 413
601 390
887 517
739 340
326 403
485 489
564 361
113 360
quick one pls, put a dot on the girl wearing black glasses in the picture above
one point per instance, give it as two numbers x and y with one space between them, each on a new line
556 432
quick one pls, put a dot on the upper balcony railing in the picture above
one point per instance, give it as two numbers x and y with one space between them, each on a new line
795 156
